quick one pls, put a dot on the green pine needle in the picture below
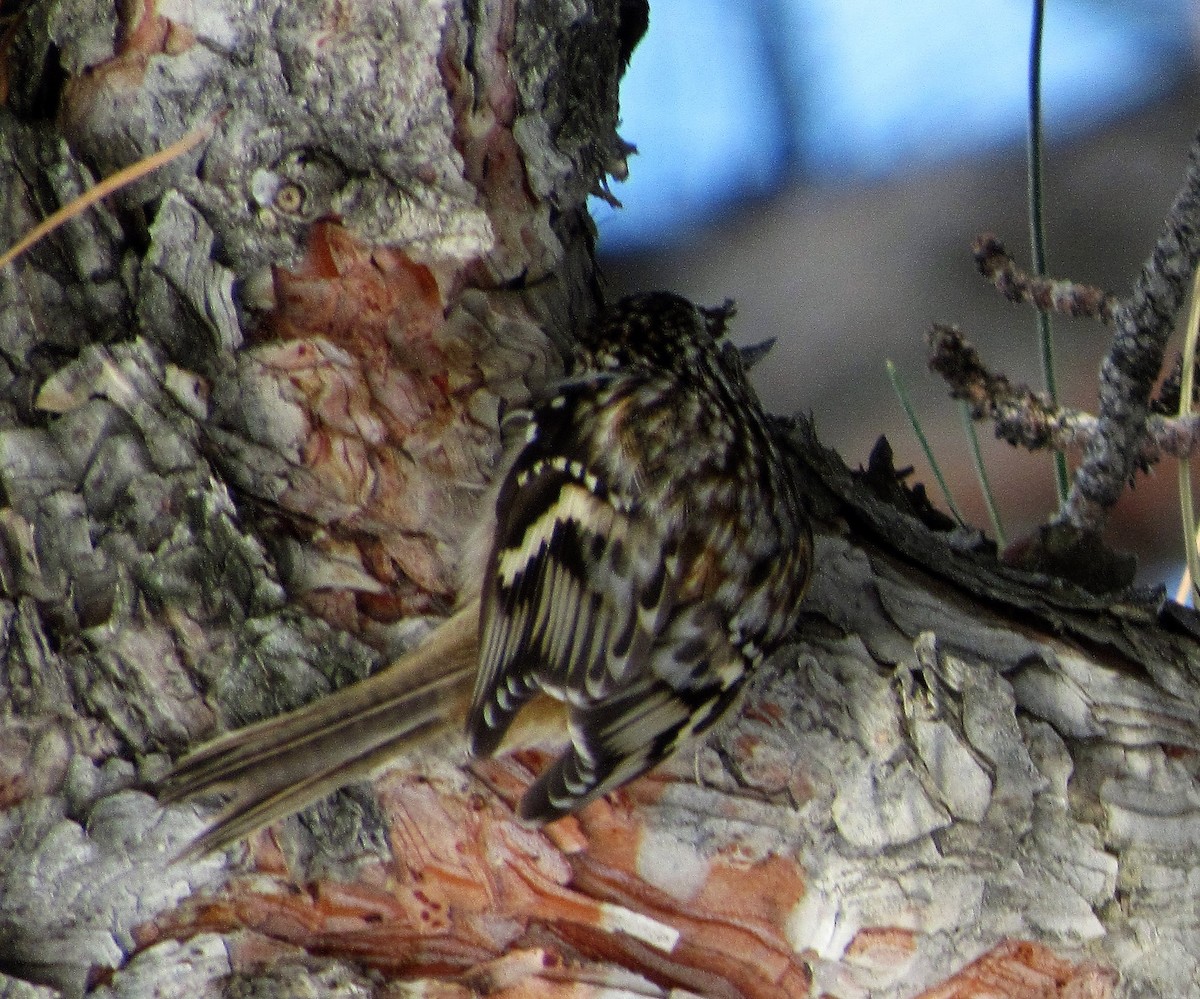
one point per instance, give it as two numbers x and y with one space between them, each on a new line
981 474
902 395
1186 389
1037 229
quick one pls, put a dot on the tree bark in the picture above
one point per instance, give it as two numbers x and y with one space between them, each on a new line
248 414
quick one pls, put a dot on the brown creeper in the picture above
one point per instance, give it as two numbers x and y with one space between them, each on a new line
649 549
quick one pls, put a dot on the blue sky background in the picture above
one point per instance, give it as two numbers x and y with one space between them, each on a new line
727 101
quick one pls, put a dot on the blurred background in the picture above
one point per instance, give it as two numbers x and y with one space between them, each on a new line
827 163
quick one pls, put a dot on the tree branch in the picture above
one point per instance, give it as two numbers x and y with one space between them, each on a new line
1066 298
1025 418
1143 325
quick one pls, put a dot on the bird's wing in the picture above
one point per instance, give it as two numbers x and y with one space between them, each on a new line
587 598
579 578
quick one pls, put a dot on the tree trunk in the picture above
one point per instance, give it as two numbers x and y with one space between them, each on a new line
248 414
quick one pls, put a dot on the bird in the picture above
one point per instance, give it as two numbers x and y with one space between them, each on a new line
648 548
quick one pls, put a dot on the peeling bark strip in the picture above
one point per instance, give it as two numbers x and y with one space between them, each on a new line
247 413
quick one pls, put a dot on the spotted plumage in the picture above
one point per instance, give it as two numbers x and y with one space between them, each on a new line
650 548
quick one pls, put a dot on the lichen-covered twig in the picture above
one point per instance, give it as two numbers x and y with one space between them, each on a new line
1066 298
1166 400
1022 417
1143 323
1026 419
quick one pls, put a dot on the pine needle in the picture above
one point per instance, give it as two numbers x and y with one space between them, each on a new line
1037 229
915 423
122 178
1186 390
985 485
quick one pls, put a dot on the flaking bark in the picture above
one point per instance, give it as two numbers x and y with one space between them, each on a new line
247 413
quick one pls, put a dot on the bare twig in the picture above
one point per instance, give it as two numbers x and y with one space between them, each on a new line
1066 298
1143 324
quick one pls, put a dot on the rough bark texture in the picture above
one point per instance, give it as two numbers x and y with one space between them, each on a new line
248 410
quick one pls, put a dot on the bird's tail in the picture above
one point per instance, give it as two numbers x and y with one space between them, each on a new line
278 766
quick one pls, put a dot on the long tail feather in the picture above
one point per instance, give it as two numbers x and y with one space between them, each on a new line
278 766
